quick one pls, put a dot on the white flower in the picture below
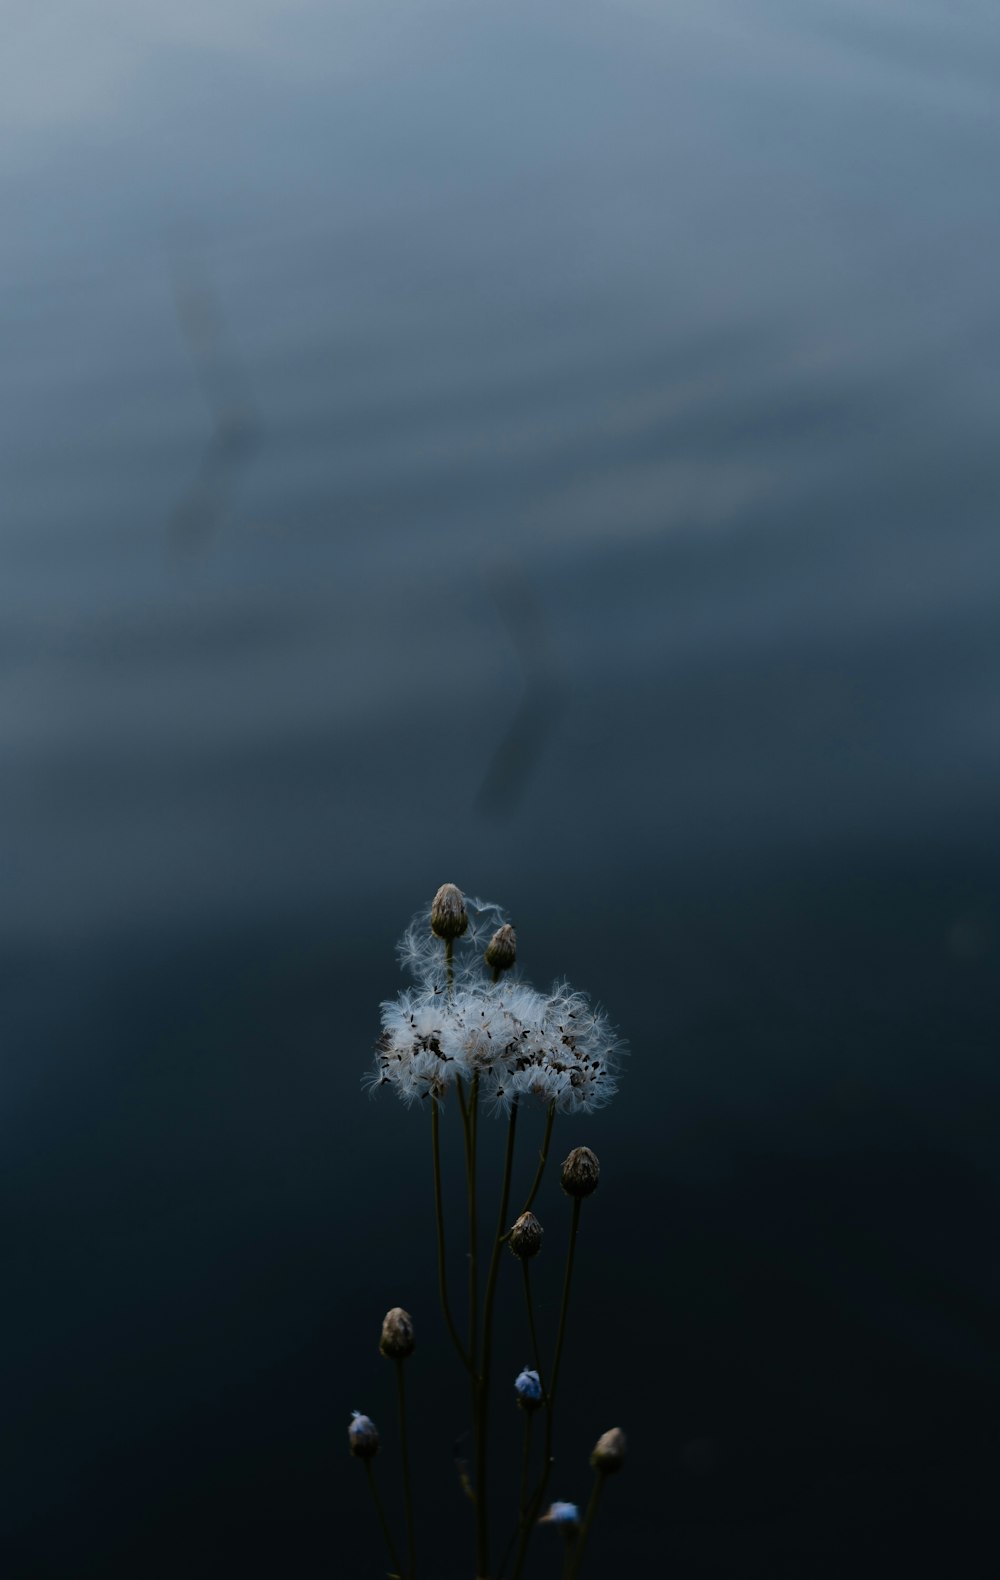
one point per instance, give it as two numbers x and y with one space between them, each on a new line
555 1047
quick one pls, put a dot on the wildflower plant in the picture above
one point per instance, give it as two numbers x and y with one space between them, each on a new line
469 1028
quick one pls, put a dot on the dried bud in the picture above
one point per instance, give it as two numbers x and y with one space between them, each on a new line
580 1173
565 1514
397 1334
449 918
501 951
362 1435
526 1237
528 1390
609 1452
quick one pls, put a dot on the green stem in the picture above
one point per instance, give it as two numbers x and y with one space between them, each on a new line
588 1520
411 1545
543 1157
535 1352
482 1422
536 1502
529 1416
569 1562
439 1215
393 1559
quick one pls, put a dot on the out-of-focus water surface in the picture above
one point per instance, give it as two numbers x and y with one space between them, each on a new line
550 448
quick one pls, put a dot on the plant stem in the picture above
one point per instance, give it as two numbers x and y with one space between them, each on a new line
543 1157
439 1214
588 1520
411 1544
393 1559
536 1502
535 1352
482 1514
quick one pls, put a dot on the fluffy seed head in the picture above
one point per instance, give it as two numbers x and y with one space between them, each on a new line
526 1237
362 1436
565 1514
449 918
580 1173
528 1390
501 951
608 1454
397 1334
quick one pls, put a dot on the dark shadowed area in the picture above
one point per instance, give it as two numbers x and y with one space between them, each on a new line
550 448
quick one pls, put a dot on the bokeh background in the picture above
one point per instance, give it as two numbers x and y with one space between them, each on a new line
550 448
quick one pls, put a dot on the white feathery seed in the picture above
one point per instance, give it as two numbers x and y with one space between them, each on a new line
555 1047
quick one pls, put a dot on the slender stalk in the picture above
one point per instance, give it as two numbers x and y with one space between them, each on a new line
470 1176
543 1157
535 1352
536 1502
588 1520
439 1215
569 1562
482 1422
522 1501
529 1417
393 1559
411 1544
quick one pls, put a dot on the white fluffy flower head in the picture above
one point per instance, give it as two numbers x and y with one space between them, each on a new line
457 1023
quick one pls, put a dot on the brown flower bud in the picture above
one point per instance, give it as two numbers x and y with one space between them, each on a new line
397 1334
580 1173
362 1436
525 1238
609 1452
501 951
449 918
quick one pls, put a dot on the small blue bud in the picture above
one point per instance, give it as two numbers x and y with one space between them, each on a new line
528 1390
564 1514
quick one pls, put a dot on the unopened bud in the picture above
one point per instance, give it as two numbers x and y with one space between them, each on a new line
528 1390
397 1334
609 1452
526 1237
580 1173
362 1436
565 1514
501 951
449 918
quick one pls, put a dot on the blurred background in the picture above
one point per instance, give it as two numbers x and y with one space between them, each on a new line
553 449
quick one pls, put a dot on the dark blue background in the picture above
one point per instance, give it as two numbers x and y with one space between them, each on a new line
551 449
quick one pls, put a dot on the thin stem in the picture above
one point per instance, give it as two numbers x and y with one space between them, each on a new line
543 1157
393 1559
569 1562
536 1502
449 963
588 1520
470 1179
482 1514
529 1417
522 1501
439 1214
535 1352
411 1543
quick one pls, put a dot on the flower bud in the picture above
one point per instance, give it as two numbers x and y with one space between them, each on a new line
528 1390
449 918
580 1173
609 1452
501 951
397 1334
525 1239
565 1514
362 1436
